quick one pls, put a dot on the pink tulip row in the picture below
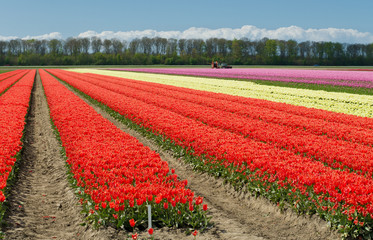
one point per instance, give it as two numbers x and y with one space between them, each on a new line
328 77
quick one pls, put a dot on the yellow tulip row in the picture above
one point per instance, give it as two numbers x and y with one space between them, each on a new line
360 105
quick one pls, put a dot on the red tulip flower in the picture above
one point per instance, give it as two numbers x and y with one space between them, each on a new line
134 236
132 222
204 207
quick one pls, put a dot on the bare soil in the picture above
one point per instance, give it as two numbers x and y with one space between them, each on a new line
43 205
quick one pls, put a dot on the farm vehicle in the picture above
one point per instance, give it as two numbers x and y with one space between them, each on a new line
217 65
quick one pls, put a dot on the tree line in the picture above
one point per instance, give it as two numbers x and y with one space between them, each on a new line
150 51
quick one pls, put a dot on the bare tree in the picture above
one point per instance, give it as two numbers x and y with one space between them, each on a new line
27 46
222 46
55 46
210 47
304 49
3 46
282 48
157 45
198 45
189 46
67 47
14 47
292 48
369 51
319 50
43 47
85 44
117 46
171 46
107 46
245 47
72 46
96 44
134 46
162 45
259 46
124 45
355 50
146 45
181 46
37 47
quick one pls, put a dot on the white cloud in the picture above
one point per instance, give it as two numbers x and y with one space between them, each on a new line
7 38
48 36
247 31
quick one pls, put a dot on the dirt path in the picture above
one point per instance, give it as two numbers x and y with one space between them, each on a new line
235 215
42 203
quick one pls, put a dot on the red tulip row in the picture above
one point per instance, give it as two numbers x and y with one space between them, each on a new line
13 108
9 74
117 175
351 120
339 196
335 153
11 79
315 121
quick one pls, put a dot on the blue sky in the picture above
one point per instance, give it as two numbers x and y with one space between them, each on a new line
70 18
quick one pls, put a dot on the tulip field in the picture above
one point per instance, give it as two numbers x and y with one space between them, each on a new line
317 161
117 174
333 101
301 149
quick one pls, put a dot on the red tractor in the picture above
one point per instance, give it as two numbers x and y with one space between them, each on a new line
216 64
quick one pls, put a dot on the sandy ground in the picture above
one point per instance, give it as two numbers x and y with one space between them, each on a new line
43 205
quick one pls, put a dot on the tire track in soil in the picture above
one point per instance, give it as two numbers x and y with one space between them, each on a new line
235 215
42 203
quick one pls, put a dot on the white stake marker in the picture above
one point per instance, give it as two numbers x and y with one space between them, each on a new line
149 217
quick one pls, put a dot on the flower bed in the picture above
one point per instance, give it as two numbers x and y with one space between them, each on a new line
331 151
341 197
316 121
328 77
9 80
116 175
14 105
340 102
9 74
